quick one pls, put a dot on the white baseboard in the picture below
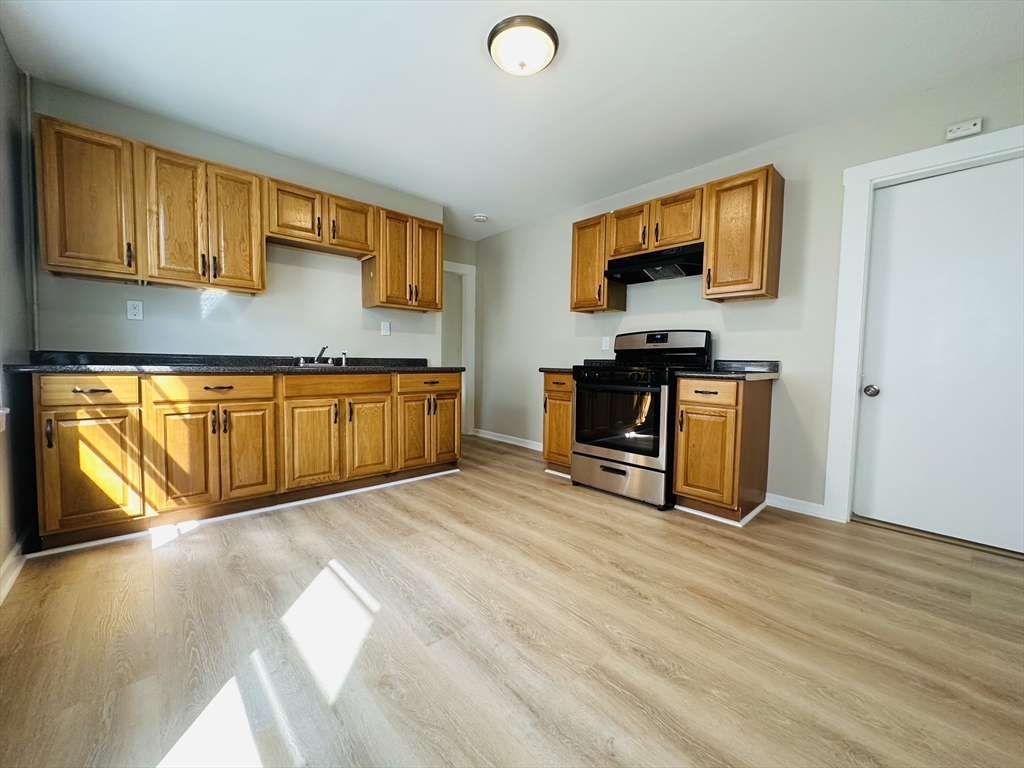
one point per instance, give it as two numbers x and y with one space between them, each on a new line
800 506
9 569
522 443
556 473
726 521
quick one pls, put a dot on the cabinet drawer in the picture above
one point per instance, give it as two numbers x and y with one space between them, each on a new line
88 390
558 382
429 382
211 388
325 385
708 391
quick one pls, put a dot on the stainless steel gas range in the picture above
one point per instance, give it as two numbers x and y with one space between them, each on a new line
622 408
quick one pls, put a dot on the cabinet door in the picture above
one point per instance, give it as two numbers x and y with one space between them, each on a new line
248 450
353 225
558 428
183 468
706 453
395 267
312 442
236 234
734 250
91 472
85 198
368 436
294 212
176 211
588 264
677 218
446 426
428 264
414 443
629 231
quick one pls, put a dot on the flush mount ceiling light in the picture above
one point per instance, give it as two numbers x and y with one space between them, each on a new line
522 45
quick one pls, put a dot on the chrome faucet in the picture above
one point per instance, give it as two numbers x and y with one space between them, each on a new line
320 356
344 357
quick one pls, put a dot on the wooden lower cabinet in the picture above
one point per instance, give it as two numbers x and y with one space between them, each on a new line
248 450
312 442
182 456
90 467
558 428
429 428
368 436
721 449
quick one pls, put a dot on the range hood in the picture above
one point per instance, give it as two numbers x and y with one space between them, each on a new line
681 261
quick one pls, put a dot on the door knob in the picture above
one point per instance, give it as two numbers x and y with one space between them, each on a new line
871 390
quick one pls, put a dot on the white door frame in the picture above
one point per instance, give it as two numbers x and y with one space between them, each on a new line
468 272
860 183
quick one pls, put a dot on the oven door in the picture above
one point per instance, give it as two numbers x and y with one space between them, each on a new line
621 423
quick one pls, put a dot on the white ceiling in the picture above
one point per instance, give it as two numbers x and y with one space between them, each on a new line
404 93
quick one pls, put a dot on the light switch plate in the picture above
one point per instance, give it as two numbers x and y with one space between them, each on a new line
606 343
385 328
134 310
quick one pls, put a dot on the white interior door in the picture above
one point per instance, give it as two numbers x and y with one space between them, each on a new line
941 446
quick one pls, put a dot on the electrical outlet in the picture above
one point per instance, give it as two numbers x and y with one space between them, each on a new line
606 343
134 310
966 128
385 328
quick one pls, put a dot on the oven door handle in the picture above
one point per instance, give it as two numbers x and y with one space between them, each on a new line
615 388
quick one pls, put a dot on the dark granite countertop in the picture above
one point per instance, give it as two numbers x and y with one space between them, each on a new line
119 362
741 370
556 370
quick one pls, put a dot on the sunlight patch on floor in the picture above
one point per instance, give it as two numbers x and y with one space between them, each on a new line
161 534
219 737
329 622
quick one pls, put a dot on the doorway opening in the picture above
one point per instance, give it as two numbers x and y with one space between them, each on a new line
458 332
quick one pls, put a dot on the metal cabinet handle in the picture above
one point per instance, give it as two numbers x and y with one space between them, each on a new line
656 238
202 265
708 282
213 422
559 383
350 410
97 391
335 413
416 291
49 433
705 391
214 260
545 403
435 405
318 230
599 293
434 381
334 228
681 413
643 236
410 291
218 387
224 427
128 255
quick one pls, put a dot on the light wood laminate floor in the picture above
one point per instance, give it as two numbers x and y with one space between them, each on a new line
499 616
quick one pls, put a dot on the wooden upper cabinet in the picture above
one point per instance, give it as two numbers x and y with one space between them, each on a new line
677 218
91 469
706 453
368 435
428 264
744 238
294 212
176 217
395 259
629 230
590 291
248 450
312 442
182 456
237 258
85 198
353 225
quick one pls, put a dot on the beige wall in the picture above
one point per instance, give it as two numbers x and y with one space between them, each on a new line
311 299
523 277
14 324
451 320
458 250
